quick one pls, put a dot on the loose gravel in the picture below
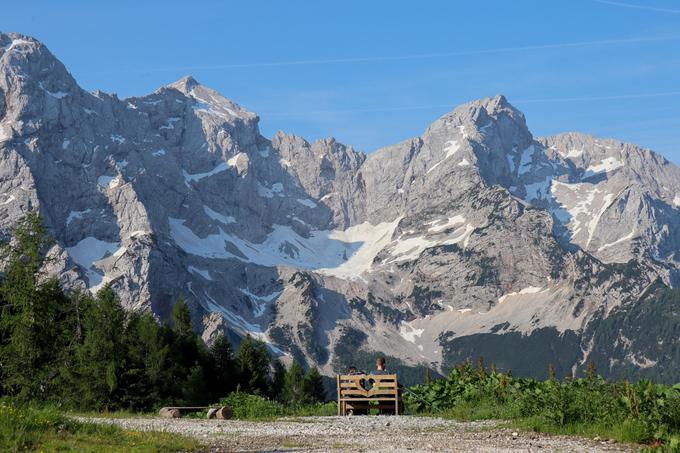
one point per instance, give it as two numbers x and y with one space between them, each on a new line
365 433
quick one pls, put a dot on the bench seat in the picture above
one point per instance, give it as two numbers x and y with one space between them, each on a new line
364 389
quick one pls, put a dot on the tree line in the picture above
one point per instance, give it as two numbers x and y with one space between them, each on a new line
87 352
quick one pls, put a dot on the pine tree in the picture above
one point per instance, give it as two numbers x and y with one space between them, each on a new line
101 357
187 351
278 380
145 362
313 386
223 376
252 362
194 392
29 313
181 317
294 386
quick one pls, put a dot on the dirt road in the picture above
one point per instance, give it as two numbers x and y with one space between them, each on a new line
381 433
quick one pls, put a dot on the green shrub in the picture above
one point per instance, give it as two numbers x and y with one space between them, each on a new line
246 406
640 412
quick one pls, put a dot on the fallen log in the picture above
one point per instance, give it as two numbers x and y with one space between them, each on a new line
169 412
224 413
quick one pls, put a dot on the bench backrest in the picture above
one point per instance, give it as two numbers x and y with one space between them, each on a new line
378 386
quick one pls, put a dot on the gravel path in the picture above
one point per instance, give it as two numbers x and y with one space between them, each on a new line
374 433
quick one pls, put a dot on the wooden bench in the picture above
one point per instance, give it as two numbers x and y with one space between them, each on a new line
359 393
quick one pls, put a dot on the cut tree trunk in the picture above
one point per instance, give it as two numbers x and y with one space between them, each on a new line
224 413
169 412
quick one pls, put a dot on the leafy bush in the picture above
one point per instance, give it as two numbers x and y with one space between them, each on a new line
639 412
247 406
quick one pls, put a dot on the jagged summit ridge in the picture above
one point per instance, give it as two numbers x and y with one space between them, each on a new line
184 85
470 234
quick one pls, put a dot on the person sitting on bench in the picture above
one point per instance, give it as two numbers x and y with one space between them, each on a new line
360 408
380 366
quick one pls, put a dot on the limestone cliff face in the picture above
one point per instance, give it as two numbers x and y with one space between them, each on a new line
435 248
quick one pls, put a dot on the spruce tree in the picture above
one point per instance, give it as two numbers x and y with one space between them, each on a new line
223 376
294 386
187 351
145 362
278 380
101 357
252 361
29 313
194 391
181 318
313 386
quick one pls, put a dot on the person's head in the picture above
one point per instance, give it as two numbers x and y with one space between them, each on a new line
352 370
380 364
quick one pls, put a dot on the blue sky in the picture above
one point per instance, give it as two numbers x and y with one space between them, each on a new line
372 73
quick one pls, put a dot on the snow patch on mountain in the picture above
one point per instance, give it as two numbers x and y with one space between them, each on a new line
450 149
572 153
525 161
410 248
21 45
538 190
87 252
527 290
109 182
261 302
76 215
54 94
345 254
307 202
222 166
409 333
362 243
607 165
625 238
239 323
440 225
203 273
225 219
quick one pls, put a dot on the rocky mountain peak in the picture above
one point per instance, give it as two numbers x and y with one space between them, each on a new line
208 103
422 249
26 59
23 43
482 117
184 85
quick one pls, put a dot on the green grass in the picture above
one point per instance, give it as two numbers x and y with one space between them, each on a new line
48 430
627 431
113 414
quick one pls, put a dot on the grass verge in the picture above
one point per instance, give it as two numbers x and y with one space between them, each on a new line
45 429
